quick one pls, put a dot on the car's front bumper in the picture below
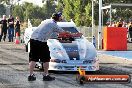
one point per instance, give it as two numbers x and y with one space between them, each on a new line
73 67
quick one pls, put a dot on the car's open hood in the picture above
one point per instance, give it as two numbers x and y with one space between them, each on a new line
79 49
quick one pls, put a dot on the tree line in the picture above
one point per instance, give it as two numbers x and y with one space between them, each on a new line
77 10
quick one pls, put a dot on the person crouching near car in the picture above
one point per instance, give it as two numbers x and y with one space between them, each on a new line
39 48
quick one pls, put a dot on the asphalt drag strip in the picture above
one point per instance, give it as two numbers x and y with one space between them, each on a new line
14 72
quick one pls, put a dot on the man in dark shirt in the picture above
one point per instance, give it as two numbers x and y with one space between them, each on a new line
11 28
3 23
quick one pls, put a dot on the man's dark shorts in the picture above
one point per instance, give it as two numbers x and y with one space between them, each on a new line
39 51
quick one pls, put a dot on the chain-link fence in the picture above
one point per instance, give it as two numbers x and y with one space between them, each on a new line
87 32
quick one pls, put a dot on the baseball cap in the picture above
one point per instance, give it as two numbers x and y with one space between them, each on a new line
55 16
60 14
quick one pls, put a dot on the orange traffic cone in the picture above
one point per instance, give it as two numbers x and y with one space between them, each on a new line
17 39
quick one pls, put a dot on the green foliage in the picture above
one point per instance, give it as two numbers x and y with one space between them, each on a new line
49 8
121 12
36 13
36 22
28 11
18 11
5 1
87 16
60 6
76 10
68 10
2 10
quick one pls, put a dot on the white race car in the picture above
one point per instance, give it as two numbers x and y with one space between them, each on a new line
70 53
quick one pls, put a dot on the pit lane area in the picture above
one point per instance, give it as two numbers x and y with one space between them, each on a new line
14 71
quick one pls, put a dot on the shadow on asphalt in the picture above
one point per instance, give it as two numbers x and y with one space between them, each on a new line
103 71
69 72
73 72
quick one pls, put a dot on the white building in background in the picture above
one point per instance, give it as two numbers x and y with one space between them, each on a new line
35 2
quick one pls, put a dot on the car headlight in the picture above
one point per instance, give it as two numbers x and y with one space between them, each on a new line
58 61
58 50
64 61
55 60
89 61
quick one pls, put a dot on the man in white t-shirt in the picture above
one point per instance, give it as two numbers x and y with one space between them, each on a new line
39 48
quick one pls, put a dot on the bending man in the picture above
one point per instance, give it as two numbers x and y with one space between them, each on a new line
39 48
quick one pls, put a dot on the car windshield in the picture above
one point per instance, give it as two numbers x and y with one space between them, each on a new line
70 29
